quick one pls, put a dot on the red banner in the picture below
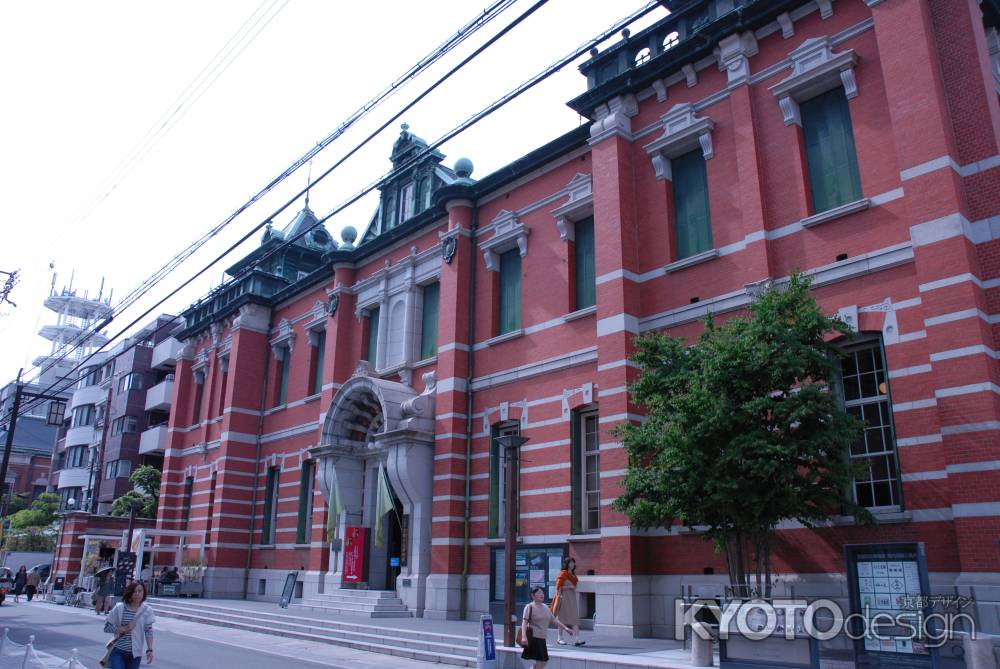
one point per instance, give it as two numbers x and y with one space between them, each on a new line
354 554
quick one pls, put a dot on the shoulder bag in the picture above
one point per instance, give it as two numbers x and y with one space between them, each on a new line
522 639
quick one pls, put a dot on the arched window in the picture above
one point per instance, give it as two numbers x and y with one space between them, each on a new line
642 57
671 40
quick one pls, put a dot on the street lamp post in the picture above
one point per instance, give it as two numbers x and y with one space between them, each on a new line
511 445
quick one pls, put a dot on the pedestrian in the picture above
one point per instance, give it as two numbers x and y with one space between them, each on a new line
535 622
131 621
20 580
102 594
566 604
31 584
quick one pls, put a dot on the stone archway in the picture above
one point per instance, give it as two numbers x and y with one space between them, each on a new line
372 421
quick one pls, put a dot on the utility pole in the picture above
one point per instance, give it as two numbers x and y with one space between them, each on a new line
511 445
95 487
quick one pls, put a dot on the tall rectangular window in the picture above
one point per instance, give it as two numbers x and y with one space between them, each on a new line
270 507
692 221
429 324
316 371
128 382
584 275
224 385
211 507
406 202
586 472
498 479
830 155
188 494
866 397
371 341
199 396
83 415
305 503
284 369
509 302
124 425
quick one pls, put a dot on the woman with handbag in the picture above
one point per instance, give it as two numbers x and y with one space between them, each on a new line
534 627
566 605
131 621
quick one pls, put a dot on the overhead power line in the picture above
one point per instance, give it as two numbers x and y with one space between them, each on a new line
465 125
492 10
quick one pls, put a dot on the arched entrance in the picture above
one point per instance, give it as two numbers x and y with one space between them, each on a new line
374 424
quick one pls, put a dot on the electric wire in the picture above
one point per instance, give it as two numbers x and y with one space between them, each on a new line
471 27
475 118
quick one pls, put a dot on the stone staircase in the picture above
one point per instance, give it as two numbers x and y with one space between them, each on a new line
413 643
368 603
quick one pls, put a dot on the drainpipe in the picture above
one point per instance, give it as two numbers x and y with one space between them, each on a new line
467 524
256 457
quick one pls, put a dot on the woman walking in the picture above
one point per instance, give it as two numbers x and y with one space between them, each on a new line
534 627
31 584
20 580
102 594
567 604
131 621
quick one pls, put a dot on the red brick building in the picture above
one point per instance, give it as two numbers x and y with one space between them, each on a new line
731 144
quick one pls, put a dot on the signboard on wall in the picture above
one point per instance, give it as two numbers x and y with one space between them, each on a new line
354 554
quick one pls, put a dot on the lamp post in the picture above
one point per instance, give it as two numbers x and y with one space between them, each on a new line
510 445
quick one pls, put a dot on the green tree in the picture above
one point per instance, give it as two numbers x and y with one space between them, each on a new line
16 503
145 496
743 431
41 514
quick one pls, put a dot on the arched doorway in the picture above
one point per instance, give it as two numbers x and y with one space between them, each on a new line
374 424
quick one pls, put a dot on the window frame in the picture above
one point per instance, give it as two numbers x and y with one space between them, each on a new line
578 486
269 526
588 278
303 528
428 338
510 268
686 169
497 480
817 165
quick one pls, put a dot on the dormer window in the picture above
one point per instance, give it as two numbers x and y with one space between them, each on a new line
406 202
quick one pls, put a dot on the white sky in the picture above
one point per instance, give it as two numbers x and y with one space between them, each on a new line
83 82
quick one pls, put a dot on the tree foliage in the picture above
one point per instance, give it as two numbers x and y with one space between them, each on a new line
743 431
31 540
41 514
16 503
144 497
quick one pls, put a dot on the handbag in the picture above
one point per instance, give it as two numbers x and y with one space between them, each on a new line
554 606
522 639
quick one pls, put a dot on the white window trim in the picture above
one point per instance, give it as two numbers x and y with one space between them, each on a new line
579 206
509 233
682 132
283 341
816 69
582 482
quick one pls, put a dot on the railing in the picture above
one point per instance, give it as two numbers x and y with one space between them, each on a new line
24 656
258 283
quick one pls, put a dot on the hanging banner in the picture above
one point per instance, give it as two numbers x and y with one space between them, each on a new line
354 554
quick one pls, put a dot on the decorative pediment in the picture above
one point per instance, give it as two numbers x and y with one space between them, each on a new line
283 340
816 69
683 131
579 206
508 233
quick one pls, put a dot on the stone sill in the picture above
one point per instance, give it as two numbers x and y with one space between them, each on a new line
584 537
886 516
696 259
836 212
426 361
507 336
580 313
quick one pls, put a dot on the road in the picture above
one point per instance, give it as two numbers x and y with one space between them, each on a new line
181 645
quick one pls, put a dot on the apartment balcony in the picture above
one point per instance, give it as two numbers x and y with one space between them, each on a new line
161 396
89 395
153 440
76 477
80 436
165 354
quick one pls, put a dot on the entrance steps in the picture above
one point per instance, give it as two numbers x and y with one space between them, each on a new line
369 603
359 634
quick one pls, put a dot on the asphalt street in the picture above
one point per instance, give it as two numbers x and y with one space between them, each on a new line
179 644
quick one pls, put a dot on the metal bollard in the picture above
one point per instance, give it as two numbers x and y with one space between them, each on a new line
701 648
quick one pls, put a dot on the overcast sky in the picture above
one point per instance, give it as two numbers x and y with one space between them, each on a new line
83 83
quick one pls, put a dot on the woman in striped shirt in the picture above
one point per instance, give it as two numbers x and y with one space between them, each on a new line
131 621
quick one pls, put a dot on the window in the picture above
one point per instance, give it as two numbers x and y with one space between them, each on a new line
866 396
371 341
199 395
57 413
284 369
211 507
224 385
130 382
75 456
124 425
498 483
692 223
83 415
316 369
91 376
70 498
406 202
188 494
429 324
302 533
270 507
586 471
509 303
830 155
584 275
117 469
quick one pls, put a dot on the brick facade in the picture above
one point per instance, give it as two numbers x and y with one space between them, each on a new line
917 265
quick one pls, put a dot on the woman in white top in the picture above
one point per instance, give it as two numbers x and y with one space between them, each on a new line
131 621
536 618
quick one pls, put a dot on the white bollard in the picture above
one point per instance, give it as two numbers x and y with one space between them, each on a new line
73 662
701 649
27 651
